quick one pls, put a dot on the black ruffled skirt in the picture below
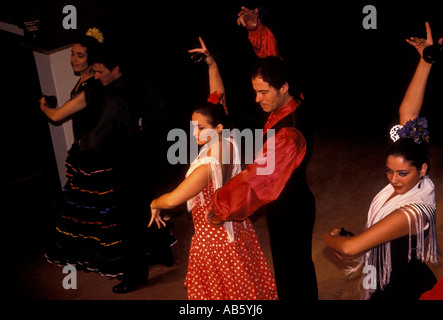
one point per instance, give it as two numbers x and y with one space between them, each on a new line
87 232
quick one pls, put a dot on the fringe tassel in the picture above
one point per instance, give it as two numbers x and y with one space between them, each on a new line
381 256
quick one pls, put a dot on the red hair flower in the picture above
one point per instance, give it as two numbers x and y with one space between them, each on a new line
215 97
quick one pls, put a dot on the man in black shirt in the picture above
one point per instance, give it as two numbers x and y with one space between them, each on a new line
116 142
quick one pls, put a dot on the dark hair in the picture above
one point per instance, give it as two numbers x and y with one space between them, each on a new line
416 154
276 73
91 44
215 114
109 55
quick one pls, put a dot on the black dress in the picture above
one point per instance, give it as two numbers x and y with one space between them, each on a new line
87 233
408 279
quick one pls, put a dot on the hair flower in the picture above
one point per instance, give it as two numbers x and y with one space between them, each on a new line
415 129
215 97
95 33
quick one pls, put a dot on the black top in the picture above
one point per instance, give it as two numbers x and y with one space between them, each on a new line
115 133
85 119
409 278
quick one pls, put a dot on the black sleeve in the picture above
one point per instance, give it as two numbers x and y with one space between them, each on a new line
106 128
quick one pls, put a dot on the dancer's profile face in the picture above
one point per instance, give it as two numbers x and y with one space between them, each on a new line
104 75
269 98
402 175
202 123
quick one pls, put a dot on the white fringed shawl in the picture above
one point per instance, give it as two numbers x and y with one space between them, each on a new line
420 204
216 173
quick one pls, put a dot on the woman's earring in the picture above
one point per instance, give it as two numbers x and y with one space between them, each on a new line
419 184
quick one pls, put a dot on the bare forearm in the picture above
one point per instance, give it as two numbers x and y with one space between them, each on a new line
189 188
339 244
215 79
51 113
413 100
68 109
164 202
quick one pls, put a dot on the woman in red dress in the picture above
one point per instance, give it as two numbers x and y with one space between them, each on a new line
225 263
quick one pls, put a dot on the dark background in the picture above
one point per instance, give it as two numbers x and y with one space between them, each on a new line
345 70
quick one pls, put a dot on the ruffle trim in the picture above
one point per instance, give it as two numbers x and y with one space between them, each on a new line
90 222
81 206
100 193
90 173
85 266
88 237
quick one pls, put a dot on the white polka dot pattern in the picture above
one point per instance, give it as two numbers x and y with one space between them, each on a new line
223 270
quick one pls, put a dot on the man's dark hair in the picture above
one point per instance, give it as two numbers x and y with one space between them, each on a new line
108 55
275 72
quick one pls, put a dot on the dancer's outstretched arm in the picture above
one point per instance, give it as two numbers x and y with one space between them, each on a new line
215 79
413 99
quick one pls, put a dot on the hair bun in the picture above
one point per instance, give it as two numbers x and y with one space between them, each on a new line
415 129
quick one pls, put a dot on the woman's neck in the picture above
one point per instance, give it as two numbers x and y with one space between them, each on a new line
85 75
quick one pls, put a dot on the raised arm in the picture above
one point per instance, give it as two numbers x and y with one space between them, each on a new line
413 99
65 111
262 39
215 79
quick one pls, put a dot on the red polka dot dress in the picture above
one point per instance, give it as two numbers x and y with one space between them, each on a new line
225 263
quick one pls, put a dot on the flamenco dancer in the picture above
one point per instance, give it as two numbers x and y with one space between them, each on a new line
400 234
87 235
102 227
283 193
224 263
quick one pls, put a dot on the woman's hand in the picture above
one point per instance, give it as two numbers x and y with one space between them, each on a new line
43 103
203 51
420 44
155 216
327 236
335 233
